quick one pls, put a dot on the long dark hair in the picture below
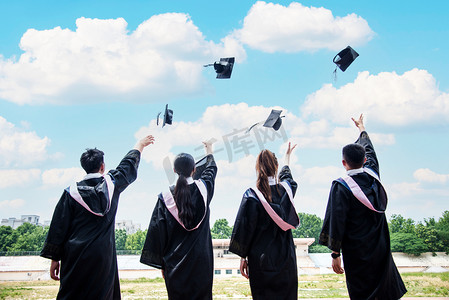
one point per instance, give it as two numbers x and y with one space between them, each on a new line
184 165
266 166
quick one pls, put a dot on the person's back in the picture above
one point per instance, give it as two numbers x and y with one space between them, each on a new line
81 234
267 250
178 240
355 223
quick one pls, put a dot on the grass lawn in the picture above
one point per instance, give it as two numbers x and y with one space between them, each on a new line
313 286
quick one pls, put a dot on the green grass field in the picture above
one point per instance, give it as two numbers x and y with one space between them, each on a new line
316 286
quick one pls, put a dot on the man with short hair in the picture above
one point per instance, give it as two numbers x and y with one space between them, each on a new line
355 223
81 238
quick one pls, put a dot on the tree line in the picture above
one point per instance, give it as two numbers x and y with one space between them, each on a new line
406 236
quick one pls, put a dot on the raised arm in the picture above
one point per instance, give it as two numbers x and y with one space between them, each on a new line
208 147
285 173
364 140
288 153
359 123
126 171
210 172
141 144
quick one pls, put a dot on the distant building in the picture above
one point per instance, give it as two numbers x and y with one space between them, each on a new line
14 223
128 225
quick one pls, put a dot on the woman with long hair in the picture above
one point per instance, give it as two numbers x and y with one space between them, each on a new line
262 234
178 240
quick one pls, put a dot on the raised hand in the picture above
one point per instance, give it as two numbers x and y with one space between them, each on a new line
359 123
208 146
289 151
149 139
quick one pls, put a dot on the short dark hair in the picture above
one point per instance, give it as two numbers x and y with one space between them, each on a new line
354 155
91 160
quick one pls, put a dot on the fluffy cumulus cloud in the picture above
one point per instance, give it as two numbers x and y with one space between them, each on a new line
427 175
19 147
102 61
14 203
387 98
15 178
428 194
224 126
62 177
232 140
276 28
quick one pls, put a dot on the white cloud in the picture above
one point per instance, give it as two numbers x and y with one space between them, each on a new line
273 27
62 177
101 61
223 123
11 178
322 175
427 175
15 203
386 98
19 147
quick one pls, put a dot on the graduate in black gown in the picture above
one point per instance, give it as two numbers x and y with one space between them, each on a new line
81 238
262 234
178 240
355 223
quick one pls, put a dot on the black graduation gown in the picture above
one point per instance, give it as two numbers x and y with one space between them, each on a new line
84 242
362 235
185 256
273 273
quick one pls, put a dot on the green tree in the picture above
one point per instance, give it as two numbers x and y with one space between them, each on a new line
29 238
408 243
430 237
310 227
442 227
221 229
6 240
399 224
120 239
136 240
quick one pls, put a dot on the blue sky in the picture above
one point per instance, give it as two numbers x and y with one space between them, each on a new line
81 74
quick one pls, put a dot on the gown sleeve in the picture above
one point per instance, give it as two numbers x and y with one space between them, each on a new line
57 234
244 226
334 223
286 175
208 176
371 157
126 171
156 239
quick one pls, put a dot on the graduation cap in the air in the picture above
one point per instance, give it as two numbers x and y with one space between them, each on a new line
168 117
273 121
344 58
223 68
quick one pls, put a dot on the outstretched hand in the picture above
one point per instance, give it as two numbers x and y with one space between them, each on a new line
149 139
289 151
208 146
290 148
359 123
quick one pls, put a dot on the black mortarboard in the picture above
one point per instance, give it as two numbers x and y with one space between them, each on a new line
200 166
223 68
157 119
345 57
168 116
274 119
